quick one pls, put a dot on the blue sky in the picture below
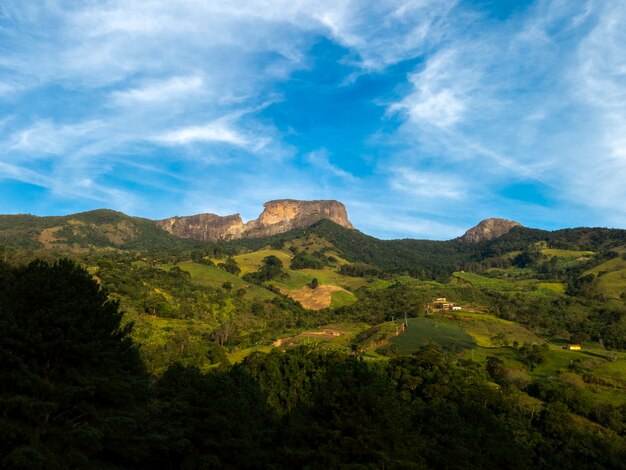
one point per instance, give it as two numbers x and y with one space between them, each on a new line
422 116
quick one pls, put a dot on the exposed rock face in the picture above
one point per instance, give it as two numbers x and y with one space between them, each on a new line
287 214
278 217
207 227
488 229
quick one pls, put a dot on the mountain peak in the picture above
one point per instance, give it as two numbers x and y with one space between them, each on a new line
488 229
278 216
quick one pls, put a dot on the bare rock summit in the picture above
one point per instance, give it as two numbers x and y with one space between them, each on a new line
278 217
488 229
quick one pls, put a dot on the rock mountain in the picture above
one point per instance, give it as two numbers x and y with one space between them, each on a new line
278 217
488 229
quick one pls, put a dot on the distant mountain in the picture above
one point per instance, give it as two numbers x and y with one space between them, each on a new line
279 216
281 223
488 229
97 229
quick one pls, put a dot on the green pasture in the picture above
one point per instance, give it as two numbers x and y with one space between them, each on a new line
330 276
566 253
557 287
488 330
614 264
301 277
527 287
251 262
611 277
295 280
613 284
239 355
613 372
489 283
508 355
423 331
211 276
379 284
556 360
342 298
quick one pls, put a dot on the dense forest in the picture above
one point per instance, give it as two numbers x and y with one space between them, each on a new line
125 347
75 394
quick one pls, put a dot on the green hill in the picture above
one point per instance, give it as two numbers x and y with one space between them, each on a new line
99 229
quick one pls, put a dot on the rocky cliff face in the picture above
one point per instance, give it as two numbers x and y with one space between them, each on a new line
278 217
208 227
488 229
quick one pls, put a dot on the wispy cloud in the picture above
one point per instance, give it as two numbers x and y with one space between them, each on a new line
321 160
212 132
439 98
168 90
427 184
474 104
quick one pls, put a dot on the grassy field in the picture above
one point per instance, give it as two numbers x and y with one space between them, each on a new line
612 372
214 277
423 331
556 360
342 298
611 277
557 287
331 287
566 253
240 354
508 355
329 276
300 277
251 262
489 283
379 284
529 287
338 336
488 330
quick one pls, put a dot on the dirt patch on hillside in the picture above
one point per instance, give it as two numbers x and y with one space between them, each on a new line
48 237
313 299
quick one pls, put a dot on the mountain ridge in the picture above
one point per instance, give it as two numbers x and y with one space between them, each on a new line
278 216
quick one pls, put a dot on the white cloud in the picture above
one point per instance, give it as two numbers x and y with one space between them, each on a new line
47 138
440 98
321 160
171 89
24 175
212 132
427 184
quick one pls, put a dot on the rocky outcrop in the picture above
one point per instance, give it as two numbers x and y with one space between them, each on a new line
278 217
287 214
488 229
207 227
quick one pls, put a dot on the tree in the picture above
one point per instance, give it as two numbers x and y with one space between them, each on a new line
72 382
214 420
230 266
352 419
271 268
533 354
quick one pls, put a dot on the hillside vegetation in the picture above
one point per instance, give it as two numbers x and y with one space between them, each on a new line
298 327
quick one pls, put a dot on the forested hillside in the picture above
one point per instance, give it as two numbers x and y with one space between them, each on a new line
75 394
321 347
